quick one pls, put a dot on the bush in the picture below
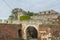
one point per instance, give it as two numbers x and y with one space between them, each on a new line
22 18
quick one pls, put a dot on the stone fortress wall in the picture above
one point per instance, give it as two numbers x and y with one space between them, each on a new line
11 31
48 16
15 28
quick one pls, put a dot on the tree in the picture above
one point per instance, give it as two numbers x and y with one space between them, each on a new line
15 12
30 13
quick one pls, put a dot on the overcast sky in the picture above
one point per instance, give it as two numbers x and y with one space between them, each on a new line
32 5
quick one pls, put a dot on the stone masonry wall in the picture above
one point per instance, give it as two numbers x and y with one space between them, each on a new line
10 31
46 30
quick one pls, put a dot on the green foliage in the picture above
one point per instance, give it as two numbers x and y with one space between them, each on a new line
16 10
22 18
29 13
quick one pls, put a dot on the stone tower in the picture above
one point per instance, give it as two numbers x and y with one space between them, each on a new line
20 13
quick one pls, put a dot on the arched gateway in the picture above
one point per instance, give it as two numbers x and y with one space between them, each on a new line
31 33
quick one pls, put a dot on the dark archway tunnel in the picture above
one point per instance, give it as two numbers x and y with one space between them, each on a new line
31 32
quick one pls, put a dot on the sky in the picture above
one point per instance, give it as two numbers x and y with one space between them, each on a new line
6 6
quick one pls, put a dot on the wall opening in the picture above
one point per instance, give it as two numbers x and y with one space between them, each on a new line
31 33
20 33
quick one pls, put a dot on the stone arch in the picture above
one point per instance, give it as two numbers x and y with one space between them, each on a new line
32 26
34 31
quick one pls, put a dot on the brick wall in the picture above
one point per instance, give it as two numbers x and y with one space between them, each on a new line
9 30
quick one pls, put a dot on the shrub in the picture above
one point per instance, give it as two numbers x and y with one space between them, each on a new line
22 18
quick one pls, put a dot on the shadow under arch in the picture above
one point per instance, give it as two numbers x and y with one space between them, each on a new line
31 32
20 33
